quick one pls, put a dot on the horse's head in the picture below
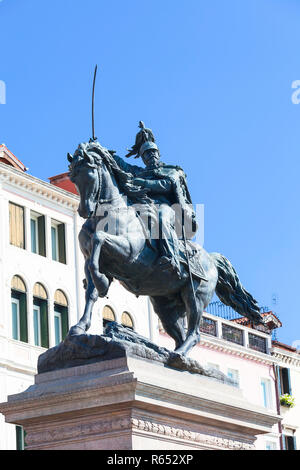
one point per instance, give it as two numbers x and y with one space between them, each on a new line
83 172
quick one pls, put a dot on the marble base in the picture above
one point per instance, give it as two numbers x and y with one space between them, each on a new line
133 404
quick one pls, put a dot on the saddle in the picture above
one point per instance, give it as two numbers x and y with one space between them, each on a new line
192 251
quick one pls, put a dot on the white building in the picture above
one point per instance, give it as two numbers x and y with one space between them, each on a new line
288 373
41 275
42 295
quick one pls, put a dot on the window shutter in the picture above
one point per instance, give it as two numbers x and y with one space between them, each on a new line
279 380
23 318
41 235
61 243
286 381
64 319
16 225
44 321
64 322
19 438
44 324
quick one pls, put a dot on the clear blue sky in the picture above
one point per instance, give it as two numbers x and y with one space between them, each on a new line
212 78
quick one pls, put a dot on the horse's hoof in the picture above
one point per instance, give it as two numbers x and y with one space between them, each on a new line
76 330
175 358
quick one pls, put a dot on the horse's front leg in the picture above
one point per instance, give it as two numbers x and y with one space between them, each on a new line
100 281
91 295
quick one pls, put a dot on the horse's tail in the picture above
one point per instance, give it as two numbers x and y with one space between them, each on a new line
231 292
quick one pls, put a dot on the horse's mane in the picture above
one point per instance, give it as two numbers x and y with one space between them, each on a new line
123 179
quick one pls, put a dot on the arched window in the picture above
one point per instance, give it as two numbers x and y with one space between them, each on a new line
61 323
40 316
108 315
19 309
126 320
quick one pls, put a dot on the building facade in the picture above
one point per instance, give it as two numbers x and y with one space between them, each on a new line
41 273
288 382
42 295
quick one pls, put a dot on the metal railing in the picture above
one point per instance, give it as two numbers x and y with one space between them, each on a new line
219 309
208 326
234 335
258 343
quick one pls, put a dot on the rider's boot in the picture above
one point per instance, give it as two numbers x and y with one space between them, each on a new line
168 263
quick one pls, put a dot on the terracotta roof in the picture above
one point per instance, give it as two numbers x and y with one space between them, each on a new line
277 344
63 181
274 320
6 156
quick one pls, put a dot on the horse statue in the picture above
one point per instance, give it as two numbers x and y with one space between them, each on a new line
115 245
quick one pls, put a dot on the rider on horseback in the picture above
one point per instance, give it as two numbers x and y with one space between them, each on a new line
166 186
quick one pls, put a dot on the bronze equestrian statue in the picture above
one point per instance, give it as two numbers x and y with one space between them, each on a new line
138 230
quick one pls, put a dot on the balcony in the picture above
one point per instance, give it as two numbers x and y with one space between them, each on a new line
234 335
234 328
208 326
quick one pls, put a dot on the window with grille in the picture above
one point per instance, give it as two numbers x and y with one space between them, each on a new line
234 335
208 326
258 343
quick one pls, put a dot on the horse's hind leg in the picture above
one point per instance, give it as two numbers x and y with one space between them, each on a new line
194 310
170 311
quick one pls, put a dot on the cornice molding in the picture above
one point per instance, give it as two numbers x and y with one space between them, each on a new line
286 357
221 345
36 186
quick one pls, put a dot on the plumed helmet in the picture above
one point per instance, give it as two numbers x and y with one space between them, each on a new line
147 146
144 136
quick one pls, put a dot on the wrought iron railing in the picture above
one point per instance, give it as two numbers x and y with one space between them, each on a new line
258 343
208 326
234 335
219 309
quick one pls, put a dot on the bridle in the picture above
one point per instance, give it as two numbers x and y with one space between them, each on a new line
98 199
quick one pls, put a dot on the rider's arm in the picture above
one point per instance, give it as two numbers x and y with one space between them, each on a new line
160 186
133 169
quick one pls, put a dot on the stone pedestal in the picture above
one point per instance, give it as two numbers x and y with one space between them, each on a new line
129 403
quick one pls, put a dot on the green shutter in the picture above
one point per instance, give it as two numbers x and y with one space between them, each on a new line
41 234
279 380
64 319
286 381
44 324
44 321
61 243
19 438
64 322
23 318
